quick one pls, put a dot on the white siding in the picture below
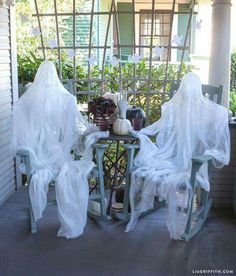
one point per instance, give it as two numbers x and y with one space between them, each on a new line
7 163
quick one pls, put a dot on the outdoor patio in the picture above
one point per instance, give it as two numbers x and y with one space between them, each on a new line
105 249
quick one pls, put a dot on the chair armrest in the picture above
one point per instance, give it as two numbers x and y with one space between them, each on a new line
202 158
23 153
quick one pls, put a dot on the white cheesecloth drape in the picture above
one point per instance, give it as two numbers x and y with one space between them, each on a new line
190 125
47 123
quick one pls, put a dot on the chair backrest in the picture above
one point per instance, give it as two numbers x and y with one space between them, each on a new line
69 86
213 93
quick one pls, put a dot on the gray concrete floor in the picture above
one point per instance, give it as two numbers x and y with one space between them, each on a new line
105 249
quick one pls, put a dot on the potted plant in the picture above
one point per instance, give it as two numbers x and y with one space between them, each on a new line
102 110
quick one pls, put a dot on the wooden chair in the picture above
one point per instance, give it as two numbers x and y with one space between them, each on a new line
213 93
197 216
96 173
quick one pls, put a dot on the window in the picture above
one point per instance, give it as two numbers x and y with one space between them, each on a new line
161 30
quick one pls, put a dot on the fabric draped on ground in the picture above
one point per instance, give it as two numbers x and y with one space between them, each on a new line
48 124
190 126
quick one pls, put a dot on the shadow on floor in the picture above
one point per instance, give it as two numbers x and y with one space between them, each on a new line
105 249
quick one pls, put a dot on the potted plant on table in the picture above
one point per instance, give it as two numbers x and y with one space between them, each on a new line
102 110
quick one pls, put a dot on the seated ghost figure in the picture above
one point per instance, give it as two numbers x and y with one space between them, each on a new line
48 125
190 125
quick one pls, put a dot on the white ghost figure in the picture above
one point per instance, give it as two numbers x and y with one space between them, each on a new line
114 61
35 31
159 51
24 18
177 39
198 24
190 125
134 58
92 60
71 53
52 43
55 128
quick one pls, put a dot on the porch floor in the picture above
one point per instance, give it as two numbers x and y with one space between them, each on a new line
105 249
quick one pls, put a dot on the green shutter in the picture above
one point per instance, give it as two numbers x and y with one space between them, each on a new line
125 28
82 31
182 28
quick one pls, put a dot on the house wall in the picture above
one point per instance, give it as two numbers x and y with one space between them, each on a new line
7 86
223 180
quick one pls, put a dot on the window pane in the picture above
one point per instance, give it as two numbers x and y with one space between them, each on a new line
166 29
167 18
157 28
157 41
145 40
146 53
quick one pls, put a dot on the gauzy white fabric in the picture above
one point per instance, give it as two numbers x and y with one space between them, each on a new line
47 123
190 125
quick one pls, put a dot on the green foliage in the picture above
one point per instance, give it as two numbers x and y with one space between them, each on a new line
232 105
27 68
26 43
233 70
233 101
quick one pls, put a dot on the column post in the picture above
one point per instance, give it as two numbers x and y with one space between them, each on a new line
219 67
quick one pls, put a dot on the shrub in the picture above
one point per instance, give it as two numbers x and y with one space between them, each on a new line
232 105
233 71
27 68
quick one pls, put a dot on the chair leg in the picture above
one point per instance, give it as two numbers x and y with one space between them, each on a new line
130 149
200 215
100 149
188 231
28 173
32 219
